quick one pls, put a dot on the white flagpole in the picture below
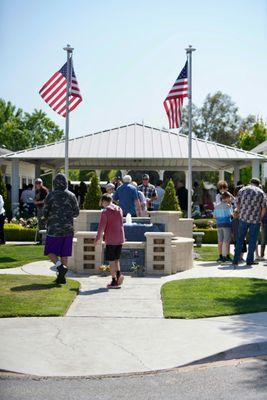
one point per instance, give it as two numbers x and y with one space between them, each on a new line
189 51
69 51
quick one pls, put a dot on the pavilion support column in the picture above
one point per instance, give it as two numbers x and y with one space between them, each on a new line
15 186
161 174
37 170
256 169
54 173
221 175
236 174
98 173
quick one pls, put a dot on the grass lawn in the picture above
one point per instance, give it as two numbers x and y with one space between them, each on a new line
35 296
12 256
206 253
212 297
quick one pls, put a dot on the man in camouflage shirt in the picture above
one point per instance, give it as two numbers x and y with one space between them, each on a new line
60 207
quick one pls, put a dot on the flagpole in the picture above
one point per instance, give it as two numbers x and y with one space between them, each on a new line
189 51
69 51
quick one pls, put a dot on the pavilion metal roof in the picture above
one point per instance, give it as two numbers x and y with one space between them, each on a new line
262 147
136 146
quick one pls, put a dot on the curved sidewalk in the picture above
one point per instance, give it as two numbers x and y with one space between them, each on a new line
122 331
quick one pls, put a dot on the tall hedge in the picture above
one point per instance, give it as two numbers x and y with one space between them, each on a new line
93 195
4 194
170 201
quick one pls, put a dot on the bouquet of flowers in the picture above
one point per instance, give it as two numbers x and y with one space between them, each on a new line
105 269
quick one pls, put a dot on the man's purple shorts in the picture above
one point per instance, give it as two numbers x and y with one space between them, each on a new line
60 246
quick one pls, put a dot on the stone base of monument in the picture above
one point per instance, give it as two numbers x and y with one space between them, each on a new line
161 253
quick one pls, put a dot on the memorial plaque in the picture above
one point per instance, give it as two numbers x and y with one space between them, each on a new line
89 266
158 267
159 241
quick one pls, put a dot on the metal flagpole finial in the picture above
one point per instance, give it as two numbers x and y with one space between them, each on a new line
68 48
189 49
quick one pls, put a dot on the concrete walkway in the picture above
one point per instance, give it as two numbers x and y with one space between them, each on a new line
122 331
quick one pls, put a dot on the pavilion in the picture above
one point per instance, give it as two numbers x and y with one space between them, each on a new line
135 147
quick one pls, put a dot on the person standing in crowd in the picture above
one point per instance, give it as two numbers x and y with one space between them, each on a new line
82 192
160 193
117 182
110 188
142 200
222 186
251 204
60 207
27 199
182 194
234 229
111 224
127 196
263 234
148 190
2 220
40 194
223 213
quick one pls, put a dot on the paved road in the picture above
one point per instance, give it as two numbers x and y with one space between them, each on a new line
231 380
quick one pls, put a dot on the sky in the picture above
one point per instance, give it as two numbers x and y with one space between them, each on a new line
127 55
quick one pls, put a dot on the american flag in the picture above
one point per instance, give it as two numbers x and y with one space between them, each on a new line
174 101
55 89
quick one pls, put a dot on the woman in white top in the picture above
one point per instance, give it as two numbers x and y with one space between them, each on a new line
2 220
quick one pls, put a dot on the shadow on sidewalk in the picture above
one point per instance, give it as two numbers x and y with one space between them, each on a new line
93 291
239 268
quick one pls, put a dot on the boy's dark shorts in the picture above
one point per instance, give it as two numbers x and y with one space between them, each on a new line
60 246
113 252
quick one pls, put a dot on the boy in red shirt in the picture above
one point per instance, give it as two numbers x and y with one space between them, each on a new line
111 224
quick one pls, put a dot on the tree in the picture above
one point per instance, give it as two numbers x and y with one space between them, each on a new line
4 194
41 129
196 122
19 130
250 138
170 201
220 121
93 195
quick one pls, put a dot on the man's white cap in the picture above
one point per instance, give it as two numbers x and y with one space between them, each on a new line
127 179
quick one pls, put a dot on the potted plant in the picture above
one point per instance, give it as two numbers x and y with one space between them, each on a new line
137 270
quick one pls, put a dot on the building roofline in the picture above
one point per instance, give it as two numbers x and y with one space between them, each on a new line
220 145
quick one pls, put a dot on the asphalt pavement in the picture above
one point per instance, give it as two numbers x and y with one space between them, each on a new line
244 379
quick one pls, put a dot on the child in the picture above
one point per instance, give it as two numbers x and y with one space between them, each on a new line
222 213
111 224
60 207
234 228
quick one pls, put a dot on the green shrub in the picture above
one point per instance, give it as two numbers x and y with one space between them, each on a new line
203 222
210 236
170 201
93 195
14 232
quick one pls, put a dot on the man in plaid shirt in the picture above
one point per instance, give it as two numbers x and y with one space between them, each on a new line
148 190
251 204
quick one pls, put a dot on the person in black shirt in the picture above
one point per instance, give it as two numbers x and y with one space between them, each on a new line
182 194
